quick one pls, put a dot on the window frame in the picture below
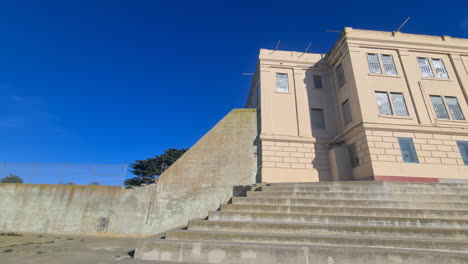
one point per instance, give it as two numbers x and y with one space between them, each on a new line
464 155
447 109
343 112
392 104
339 73
276 82
433 68
323 118
319 78
378 61
412 150
383 71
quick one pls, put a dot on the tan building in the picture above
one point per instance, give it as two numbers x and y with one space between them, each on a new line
379 105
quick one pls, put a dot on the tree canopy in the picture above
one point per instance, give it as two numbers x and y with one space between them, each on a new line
11 178
146 171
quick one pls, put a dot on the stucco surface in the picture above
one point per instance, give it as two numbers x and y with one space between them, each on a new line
198 182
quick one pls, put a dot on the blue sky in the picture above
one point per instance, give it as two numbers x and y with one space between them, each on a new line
110 82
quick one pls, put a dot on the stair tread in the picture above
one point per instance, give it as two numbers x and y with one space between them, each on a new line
335 215
389 193
349 207
429 228
340 248
257 234
353 200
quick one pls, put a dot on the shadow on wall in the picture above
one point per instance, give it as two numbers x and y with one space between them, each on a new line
323 122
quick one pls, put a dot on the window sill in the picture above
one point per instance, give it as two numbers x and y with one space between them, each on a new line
384 75
396 117
450 121
435 79
282 92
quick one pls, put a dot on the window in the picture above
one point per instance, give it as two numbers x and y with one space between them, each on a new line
318 119
374 64
388 64
427 69
353 156
282 83
463 147
318 81
454 108
340 77
346 109
439 68
383 103
440 107
408 152
397 104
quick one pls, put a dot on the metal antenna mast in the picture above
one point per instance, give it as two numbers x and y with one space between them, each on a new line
402 25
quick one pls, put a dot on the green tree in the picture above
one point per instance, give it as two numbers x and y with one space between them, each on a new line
11 178
146 171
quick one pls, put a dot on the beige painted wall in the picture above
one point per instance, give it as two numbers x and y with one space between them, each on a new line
285 117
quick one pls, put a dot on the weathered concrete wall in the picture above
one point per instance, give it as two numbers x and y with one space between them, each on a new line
198 182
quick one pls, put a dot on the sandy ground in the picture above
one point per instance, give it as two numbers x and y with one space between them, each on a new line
60 249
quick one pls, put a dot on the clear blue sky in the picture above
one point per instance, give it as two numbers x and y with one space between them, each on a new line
113 81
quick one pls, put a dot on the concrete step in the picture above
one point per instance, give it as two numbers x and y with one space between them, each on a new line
381 196
264 253
336 219
368 189
356 211
372 183
350 203
324 240
330 229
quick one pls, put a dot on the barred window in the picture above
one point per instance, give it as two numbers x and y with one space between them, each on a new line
439 68
374 64
388 64
454 108
463 147
399 104
383 103
318 81
425 68
282 84
439 107
346 110
340 77
318 119
408 152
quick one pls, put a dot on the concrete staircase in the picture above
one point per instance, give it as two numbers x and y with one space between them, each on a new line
328 222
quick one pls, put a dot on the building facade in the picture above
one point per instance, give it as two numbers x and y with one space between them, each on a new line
379 105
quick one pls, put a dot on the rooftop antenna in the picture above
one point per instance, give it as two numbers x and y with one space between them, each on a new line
307 49
276 48
334 31
277 44
308 46
402 25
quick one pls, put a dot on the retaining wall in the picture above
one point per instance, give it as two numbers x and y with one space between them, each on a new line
198 182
